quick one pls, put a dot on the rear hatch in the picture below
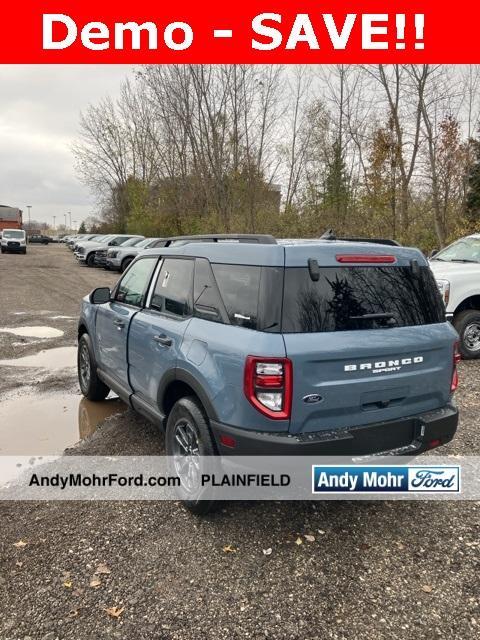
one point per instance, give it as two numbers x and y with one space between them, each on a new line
368 339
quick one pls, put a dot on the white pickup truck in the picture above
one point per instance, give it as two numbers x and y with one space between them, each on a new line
457 272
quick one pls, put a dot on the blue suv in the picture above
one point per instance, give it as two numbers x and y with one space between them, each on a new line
249 345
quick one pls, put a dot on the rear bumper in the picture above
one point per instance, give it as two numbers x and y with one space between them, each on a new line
408 436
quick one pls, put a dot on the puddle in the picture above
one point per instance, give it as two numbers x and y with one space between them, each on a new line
33 332
47 425
59 358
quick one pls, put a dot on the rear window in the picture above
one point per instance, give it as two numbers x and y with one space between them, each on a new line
351 299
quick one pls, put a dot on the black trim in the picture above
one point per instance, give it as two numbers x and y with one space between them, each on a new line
146 409
372 439
115 386
181 375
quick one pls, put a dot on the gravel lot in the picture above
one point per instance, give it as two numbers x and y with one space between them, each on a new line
374 570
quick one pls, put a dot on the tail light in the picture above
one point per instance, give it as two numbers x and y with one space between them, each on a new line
369 258
457 356
268 386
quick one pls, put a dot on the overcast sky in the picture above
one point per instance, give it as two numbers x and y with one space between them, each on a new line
39 115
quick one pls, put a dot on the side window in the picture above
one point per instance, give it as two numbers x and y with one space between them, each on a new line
132 288
207 303
239 287
173 289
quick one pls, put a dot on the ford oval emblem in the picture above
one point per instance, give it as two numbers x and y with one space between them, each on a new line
312 398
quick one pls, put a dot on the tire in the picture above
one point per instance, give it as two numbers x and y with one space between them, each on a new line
125 264
467 323
187 413
24 251
3 250
90 260
90 384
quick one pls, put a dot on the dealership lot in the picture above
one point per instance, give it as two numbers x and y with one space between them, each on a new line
370 570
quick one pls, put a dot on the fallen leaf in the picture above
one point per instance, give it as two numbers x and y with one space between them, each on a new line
102 568
299 541
229 549
67 584
427 588
309 538
267 552
73 613
20 544
321 532
19 564
95 583
115 612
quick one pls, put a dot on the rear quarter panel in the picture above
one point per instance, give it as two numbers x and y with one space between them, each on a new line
215 355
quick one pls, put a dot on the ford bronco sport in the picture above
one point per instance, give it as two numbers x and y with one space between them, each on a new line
249 345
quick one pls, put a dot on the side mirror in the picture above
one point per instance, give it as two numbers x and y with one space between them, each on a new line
432 253
100 295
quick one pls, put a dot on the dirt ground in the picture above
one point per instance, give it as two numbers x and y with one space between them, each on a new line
379 570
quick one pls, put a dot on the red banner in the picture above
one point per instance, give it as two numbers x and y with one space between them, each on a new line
253 31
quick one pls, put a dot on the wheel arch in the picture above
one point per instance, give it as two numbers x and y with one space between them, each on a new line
471 303
180 383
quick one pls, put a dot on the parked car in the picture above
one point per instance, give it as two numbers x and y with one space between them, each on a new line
39 239
263 346
85 252
14 240
118 258
457 272
100 259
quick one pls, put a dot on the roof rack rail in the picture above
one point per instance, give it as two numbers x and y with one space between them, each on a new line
251 238
330 235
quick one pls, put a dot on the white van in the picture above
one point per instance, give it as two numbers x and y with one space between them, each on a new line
14 240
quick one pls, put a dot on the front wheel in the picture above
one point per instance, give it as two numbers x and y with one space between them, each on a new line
188 441
90 384
467 323
91 260
125 264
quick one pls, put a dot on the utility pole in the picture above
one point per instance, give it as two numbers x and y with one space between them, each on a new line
65 216
29 206
70 214
54 218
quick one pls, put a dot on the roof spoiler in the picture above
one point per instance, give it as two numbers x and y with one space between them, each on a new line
330 235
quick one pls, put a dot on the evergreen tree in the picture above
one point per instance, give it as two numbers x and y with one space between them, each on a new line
82 228
473 192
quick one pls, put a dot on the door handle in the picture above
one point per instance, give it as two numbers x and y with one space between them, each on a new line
163 340
120 324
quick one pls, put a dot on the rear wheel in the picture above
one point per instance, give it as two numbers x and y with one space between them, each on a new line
467 323
188 440
90 384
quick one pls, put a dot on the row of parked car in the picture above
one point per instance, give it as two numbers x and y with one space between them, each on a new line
110 251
